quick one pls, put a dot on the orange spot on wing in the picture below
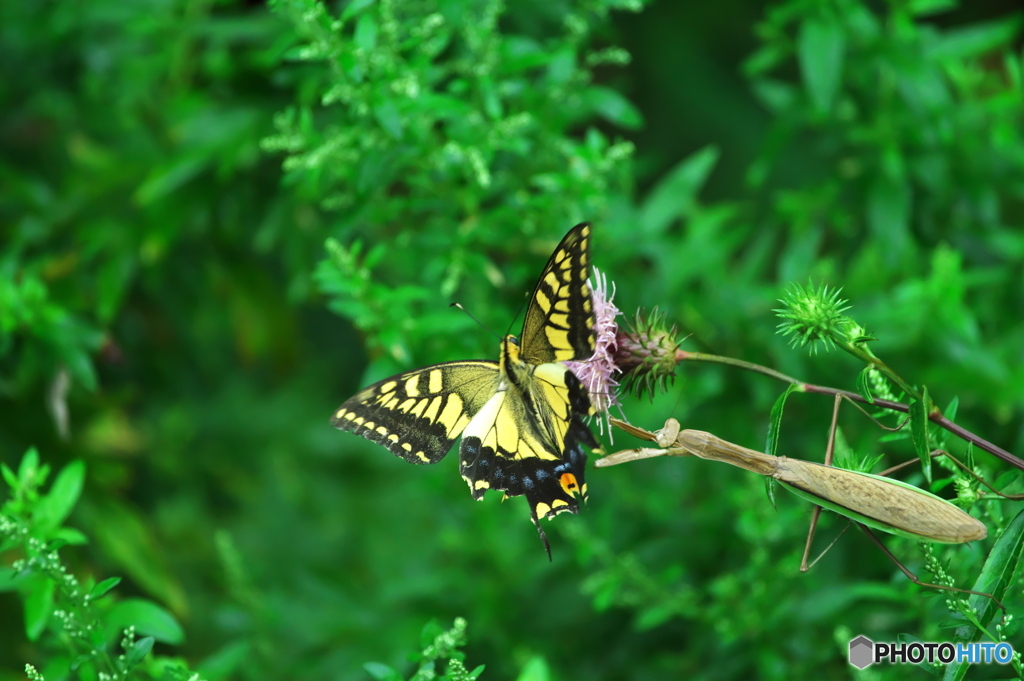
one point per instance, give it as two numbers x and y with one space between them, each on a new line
569 484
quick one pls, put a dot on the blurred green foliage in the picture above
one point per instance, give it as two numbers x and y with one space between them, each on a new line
182 316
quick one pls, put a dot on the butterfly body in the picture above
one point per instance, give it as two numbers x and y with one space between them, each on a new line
521 418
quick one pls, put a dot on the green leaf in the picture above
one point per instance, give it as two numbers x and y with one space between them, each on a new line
535 669
775 420
121 533
614 107
951 409
675 195
821 46
148 618
770 485
138 651
9 477
922 8
976 40
54 508
996 577
888 215
80 660
864 385
227 662
366 32
81 367
103 588
355 7
38 605
27 475
70 535
431 630
381 672
10 542
387 114
919 433
8 579
164 180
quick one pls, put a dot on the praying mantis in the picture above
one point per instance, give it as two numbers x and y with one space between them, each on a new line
871 501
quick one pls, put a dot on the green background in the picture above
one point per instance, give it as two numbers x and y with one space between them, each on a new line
219 220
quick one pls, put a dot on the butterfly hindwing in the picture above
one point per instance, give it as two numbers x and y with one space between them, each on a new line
536 452
559 323
418 415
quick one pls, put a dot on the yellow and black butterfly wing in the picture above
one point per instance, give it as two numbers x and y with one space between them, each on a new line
417 415
559 324
530 442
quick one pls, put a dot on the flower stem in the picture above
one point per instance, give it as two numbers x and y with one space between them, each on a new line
861 352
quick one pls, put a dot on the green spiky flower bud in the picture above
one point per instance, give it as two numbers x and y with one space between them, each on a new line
648 354
812 315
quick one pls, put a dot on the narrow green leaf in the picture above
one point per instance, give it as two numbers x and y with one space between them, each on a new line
80 660
976 40
355 7
997 575
388 116
138 652
775 422
9 477
81 367
922 8
770 485
613 107
227 662
864 385
888 215
148 618
676 193
951 410
70 535
28 466
995 578
38 606
8 579
366 32
381 672
54 508
821 46
9 543
431 630
919 433
164 179
103 588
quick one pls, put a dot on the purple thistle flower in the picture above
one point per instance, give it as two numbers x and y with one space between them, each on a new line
598 373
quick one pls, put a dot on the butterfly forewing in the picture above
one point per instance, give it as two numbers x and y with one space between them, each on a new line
559 323
418 415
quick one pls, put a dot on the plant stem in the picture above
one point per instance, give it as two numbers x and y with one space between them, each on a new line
861 352
935 416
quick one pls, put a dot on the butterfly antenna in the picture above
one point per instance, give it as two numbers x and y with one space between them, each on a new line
479 323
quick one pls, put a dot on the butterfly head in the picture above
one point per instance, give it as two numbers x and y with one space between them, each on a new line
510 352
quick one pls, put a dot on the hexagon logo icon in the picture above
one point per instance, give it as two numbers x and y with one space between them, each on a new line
862 651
